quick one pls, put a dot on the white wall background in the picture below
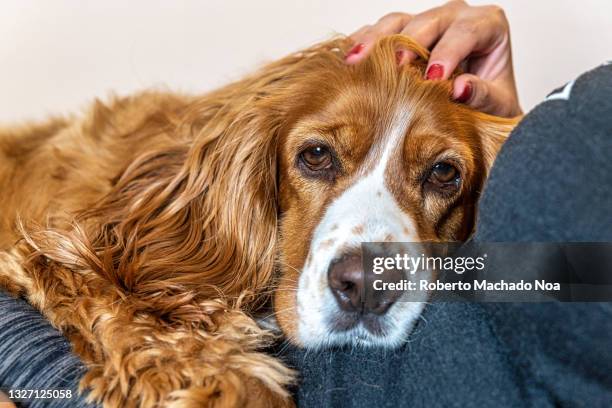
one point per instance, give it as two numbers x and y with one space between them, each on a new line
55 56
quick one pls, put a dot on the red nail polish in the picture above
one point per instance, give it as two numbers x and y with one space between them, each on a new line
355 50
466 94
435 72
400 55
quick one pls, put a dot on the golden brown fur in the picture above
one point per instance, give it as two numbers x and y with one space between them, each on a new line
146 230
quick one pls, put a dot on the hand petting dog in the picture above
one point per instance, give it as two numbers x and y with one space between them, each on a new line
456 32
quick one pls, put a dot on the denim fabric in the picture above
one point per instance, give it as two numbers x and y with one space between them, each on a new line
33 355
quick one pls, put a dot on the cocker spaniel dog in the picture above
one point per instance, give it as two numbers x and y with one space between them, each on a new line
152 229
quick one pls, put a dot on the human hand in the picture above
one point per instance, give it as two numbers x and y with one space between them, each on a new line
458 32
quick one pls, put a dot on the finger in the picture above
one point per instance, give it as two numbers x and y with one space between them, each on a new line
357 35
365 38
463 38
392 23
361 47
484 96
361 42
427 27
424 34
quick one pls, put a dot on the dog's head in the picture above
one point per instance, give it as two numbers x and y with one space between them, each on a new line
321 156
368 153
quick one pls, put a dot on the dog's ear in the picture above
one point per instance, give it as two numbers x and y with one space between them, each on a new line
232 168
493 132
490 134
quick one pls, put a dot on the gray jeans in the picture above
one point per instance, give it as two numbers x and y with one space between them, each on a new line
551 182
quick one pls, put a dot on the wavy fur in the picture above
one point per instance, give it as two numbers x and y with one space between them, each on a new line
148 234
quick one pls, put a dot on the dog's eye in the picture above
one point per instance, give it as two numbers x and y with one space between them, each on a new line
444 177
443 173
317 158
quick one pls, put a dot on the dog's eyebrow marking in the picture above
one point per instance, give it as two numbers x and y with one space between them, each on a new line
358 229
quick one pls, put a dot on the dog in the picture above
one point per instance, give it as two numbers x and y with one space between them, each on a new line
153 228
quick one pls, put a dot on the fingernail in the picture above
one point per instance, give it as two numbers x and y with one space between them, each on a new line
355 50
466 94
400 56
435 72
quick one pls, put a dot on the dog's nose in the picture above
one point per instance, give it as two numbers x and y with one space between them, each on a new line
346 281
353 288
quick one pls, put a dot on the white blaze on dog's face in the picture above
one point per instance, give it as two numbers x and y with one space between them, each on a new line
368 162
365 212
